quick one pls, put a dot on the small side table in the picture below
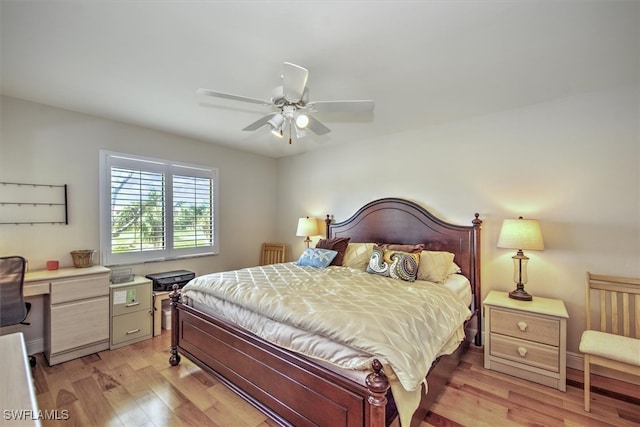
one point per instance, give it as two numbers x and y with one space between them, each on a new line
130 312
158 297
527 339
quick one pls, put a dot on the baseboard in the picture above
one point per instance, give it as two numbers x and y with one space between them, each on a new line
576 361
35 346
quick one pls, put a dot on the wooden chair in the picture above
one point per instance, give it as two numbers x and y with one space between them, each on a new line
612 346
272 253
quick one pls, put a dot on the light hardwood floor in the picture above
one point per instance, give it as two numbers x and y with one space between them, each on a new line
135 386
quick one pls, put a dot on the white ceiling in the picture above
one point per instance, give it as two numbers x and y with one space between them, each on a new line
422 62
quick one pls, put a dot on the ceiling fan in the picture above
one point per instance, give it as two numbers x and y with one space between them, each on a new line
291 105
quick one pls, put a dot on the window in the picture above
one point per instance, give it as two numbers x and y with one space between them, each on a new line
154 210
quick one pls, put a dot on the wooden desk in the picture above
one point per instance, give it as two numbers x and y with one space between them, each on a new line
16 388
76 310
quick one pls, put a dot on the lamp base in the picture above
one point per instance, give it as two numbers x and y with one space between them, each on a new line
520 294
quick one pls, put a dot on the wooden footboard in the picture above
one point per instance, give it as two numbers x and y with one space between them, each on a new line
287 388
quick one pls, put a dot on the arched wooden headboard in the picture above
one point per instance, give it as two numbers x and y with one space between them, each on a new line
395 220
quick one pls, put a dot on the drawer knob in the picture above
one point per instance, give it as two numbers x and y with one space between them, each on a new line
522 326
522 351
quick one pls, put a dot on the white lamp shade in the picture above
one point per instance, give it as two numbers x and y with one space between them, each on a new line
521 234
307 227
276 122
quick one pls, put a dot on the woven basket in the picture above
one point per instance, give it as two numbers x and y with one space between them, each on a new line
82 258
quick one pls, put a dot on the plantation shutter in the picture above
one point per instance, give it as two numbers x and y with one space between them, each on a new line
192 207
137 210
154 210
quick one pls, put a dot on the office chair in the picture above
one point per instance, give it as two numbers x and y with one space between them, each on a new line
13 308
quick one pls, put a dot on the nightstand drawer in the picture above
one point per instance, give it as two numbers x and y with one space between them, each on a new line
533 354
531 328
131 326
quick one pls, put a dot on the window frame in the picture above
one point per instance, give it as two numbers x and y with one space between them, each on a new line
168 168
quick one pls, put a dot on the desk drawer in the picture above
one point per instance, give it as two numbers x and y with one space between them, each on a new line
79 288
131 326
531 328
533 354
79 324
36 288
131 298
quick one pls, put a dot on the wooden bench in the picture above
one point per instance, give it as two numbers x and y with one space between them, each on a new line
616 344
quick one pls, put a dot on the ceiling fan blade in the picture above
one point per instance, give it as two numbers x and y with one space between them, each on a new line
294 80
317 127
260 122
363 106
215 94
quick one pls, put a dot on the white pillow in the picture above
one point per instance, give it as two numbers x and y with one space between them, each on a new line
436 266
357 255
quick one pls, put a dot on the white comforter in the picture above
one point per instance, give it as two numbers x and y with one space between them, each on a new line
404 325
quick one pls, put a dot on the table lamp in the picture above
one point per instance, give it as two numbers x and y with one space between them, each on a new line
520 234
307 227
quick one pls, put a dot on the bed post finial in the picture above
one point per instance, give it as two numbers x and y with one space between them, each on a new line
476 221
174 296
327 221
377 384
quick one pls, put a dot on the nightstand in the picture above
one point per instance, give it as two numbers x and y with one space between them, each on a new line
131 312
526 339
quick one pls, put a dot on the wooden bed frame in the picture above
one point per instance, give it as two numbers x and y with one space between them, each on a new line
292 390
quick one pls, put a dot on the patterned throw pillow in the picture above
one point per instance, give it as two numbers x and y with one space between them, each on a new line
436 266
395 264
316 257
338 244
402 248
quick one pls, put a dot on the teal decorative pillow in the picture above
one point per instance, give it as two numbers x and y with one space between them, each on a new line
395 264
316 257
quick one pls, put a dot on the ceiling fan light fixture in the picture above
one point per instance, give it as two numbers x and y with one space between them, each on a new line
300 133
277 124
302 121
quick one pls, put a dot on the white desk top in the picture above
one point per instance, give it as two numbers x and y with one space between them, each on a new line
37 282
33 276
16 388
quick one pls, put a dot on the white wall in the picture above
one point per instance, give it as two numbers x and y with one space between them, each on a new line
45 145
573 164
